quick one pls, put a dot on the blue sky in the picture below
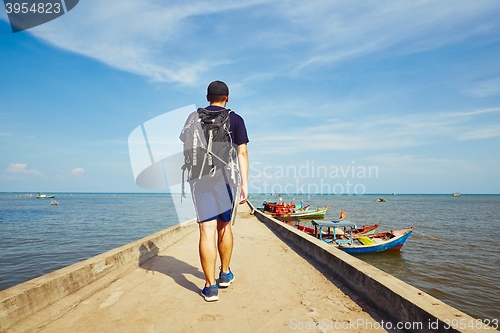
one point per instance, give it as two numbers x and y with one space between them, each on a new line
407 90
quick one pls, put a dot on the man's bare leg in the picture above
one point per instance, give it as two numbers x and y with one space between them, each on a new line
225 242
208 250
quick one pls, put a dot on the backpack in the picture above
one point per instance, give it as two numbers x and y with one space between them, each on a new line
208 147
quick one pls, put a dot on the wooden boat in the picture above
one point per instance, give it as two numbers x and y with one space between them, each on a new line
300 206
44 196
310 213
378 242
276 208
284 210
364 230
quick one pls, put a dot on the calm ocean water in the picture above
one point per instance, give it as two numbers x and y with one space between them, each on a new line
37 238
453 254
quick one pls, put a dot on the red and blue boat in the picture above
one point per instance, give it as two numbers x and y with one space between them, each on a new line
364 230
289 210
349 243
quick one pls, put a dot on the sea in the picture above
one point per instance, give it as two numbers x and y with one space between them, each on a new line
453 253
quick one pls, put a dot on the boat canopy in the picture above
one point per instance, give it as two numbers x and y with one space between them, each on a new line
335 223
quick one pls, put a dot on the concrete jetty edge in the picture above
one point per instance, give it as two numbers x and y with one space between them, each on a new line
76 282
397 300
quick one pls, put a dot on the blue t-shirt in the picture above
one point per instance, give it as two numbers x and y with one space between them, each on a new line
236 126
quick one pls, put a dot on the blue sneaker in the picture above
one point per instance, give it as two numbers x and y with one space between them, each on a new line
225 279
210 293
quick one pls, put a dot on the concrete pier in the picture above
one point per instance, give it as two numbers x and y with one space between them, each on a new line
285 281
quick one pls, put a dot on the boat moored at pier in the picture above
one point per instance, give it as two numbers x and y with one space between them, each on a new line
377 242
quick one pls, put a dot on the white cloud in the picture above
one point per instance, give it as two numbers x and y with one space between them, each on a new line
340 30
20 171
21 168
383 132
418 165
469 113
481 133
77 171
140 37
182 41
485 88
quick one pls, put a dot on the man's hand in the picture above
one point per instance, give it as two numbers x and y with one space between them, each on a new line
243 193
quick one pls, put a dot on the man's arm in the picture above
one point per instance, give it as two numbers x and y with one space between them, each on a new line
243 164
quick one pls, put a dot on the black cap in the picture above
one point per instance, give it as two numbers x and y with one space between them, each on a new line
218 88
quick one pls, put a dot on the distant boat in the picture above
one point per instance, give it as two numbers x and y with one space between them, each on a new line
381 200
45 196
53 202
456 194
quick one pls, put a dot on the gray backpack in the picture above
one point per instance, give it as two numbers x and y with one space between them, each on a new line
208 148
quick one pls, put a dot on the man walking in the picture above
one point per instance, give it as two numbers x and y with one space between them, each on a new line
214 193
